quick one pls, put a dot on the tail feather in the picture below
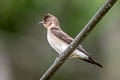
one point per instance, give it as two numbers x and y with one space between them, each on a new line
90 60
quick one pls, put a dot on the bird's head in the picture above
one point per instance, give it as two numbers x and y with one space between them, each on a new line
50 21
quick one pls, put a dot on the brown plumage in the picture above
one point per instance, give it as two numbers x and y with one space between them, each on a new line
59 40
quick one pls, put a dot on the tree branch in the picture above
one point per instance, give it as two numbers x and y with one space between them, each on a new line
78 39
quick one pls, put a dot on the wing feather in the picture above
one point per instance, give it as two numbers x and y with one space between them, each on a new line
66 38
63 36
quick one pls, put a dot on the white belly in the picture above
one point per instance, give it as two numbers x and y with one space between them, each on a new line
60 46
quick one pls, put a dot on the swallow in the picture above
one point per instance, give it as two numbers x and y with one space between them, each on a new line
59 40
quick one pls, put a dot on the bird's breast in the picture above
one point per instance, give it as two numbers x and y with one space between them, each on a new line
56 43
59 45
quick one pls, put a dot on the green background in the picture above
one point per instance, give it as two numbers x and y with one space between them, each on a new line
25 53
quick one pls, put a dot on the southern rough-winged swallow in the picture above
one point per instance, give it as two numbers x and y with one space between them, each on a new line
59 40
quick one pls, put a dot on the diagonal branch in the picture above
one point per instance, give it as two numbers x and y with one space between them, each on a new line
78 39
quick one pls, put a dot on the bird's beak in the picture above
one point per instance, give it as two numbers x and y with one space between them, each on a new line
41 22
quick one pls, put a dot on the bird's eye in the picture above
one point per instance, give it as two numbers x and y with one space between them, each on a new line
50 23
46 17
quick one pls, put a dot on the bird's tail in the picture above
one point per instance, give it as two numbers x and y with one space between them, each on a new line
90 60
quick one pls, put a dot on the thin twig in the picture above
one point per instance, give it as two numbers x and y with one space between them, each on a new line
78 39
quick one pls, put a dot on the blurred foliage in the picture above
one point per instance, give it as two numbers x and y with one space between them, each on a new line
24 42
12 12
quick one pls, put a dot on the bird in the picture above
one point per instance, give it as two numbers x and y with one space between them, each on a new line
59 40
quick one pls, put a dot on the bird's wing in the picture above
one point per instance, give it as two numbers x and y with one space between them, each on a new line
66 38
